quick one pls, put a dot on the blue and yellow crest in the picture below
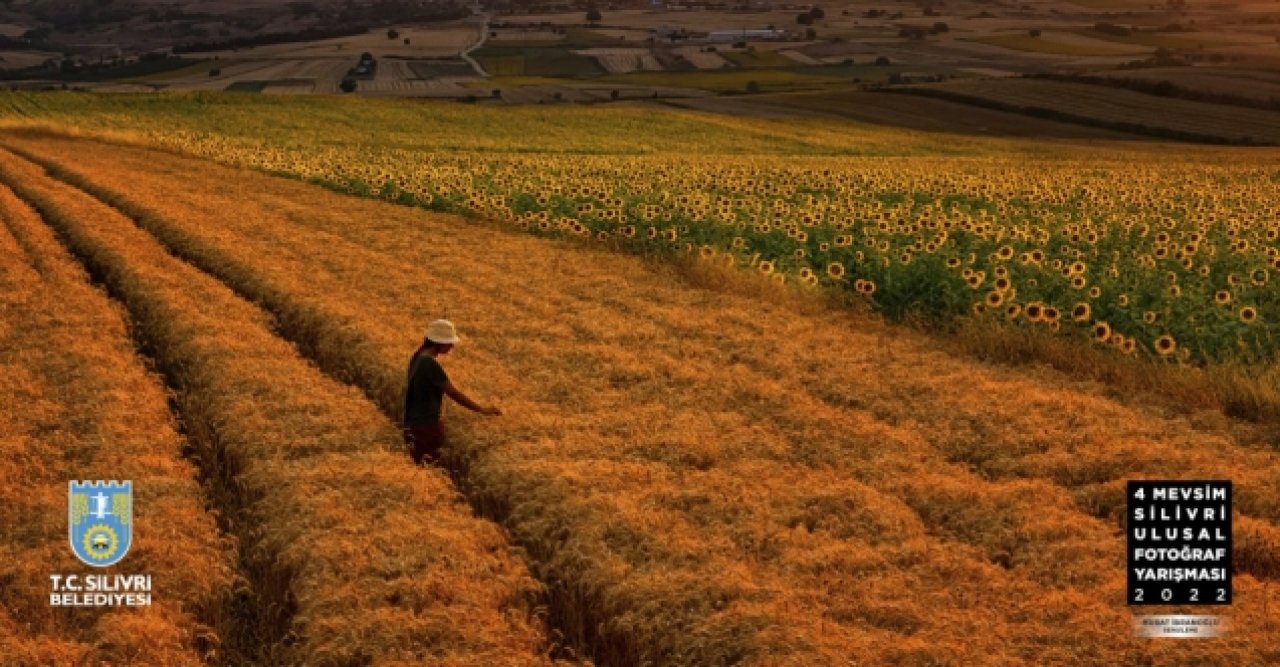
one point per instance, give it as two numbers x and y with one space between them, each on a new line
100 520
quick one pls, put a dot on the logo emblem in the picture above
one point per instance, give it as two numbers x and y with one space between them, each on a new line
100 520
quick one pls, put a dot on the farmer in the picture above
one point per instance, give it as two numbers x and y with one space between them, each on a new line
428 384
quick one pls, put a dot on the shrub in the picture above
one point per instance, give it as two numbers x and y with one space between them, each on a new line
347 85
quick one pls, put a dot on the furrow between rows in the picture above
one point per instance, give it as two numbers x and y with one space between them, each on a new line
80 404
354 556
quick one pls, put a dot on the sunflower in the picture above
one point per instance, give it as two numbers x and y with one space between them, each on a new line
765 267
1002 284
1012 311
1095 292
1081 312
1079 282
835 270
1222 297
1129 346
1259 277
1123 300
1051 314
979 308
1166 345
1175 291
1248 314
1101 332
868 287
1149 317
1035 311
994 299
706 252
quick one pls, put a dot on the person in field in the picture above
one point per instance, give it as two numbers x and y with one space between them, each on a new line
428 385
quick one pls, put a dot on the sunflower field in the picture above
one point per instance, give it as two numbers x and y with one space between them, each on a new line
1072 248
1146 251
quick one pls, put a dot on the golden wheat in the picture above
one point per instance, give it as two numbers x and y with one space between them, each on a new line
702 477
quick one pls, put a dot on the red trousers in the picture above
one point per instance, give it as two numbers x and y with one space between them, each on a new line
424 441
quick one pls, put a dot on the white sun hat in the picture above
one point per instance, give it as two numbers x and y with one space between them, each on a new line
442 331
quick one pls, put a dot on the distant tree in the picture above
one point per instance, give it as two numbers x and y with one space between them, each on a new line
406 41
497 92
348 85
1034 32
810 33
753 86
594 16
882 61
817 13
804 18
215 72
614 94
940 27
393 33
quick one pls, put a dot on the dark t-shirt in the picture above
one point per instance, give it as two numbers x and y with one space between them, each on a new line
425 391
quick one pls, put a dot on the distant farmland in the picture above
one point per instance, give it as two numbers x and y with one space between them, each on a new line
1112 107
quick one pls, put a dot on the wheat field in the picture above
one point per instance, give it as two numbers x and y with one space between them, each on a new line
702 478
708 456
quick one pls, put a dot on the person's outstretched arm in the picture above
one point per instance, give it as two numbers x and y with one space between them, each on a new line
466 402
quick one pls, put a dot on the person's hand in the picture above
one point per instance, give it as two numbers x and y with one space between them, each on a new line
492 411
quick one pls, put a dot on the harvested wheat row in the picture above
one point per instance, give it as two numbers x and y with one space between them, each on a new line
80 405
681 533
355 555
